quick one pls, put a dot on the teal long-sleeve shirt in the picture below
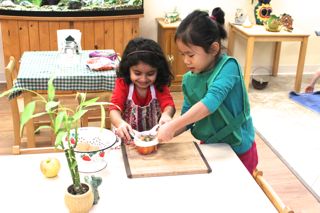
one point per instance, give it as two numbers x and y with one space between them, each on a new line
226 88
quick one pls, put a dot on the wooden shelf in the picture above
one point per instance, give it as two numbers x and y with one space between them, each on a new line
166 33
27 33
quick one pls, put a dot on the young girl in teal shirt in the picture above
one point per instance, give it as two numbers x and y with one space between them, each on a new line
216 106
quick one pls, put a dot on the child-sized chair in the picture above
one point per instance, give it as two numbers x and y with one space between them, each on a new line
16 108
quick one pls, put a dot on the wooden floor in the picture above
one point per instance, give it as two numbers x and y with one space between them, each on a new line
286 185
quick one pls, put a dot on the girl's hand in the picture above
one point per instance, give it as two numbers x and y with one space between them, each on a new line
166 132
309 89
123 131
164 119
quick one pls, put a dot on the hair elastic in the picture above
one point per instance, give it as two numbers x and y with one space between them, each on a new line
141 51
213 18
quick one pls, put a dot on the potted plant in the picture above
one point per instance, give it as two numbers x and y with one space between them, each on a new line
63 120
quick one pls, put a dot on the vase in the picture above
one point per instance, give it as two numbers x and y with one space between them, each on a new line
79 203
262 11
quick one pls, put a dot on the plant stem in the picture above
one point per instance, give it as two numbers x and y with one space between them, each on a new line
73 166
72 163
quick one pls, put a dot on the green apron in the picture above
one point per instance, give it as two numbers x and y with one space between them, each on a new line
221 125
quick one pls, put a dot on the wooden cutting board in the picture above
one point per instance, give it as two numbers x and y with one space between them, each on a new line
169 159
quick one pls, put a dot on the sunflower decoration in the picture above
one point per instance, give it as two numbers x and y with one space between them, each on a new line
262 11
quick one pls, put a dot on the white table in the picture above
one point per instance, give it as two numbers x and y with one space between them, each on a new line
258 33
229 188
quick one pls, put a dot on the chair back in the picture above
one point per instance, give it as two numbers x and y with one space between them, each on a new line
11 76
10 72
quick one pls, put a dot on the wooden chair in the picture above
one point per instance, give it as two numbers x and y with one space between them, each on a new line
94 113
11 74
271 194
16 106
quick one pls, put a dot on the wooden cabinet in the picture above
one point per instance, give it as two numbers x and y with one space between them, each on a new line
166 33
26 33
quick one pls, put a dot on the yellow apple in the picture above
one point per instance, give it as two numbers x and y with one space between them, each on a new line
50 167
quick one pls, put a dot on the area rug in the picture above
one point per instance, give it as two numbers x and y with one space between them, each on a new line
289 129
309 100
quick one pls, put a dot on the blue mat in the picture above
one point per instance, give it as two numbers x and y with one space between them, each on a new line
309 100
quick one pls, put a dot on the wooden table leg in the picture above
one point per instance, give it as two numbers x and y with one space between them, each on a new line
300 67
248 61
231 40
276 59
29 125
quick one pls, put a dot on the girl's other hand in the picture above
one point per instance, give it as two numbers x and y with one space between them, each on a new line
164 119
123 131
309 89
165 132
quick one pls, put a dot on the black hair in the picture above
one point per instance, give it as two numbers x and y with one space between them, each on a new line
199 29
264 1
218 14
149 52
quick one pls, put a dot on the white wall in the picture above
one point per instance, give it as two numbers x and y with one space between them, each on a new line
306 16
157 8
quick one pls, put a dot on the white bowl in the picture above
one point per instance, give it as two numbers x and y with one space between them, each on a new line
92 148
145 147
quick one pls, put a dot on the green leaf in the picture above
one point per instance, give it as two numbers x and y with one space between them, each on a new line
58 142
42 127
39 114
27 114
58 121
7 92
69 122
79 114
82 96
51 90
103 117
51 104
36 2
89 102
104 103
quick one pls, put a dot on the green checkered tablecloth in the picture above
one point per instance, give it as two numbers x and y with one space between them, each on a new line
70 72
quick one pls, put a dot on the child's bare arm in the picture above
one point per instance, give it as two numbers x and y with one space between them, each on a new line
168 131
180 131
167 115
116 119
313 81
122 127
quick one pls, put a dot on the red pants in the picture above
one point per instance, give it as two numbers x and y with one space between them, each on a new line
250 158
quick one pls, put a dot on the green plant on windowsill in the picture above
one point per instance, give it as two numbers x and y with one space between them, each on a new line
63 120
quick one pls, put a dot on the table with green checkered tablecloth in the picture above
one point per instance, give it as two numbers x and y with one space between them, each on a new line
69 71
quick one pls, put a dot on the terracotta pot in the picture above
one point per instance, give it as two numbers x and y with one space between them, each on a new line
79 203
